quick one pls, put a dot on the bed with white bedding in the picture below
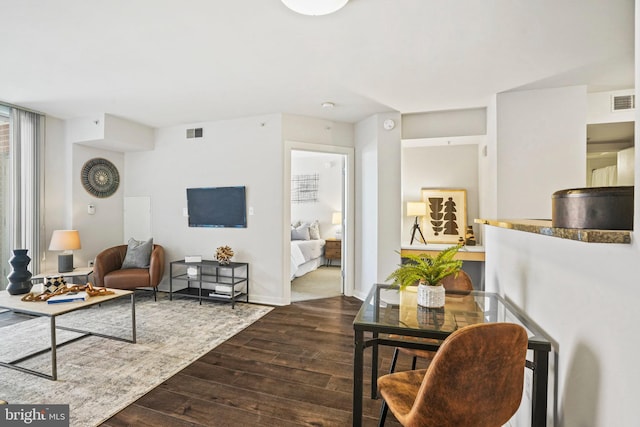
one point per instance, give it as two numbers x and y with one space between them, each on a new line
306 256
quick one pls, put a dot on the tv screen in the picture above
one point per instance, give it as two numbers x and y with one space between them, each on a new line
217 207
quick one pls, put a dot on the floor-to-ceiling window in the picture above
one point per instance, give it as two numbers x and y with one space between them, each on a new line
21 164
5 190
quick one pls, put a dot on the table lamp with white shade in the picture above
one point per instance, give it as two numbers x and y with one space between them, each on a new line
336 219
66 241
416 209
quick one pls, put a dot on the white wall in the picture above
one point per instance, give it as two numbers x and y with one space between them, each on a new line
435 124
316 131
378 201
453 166
599 108
56 163
585 297
366 255
329 170
109 132
541 138
245 152
104 229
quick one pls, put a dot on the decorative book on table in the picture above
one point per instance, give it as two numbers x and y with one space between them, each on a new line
68 297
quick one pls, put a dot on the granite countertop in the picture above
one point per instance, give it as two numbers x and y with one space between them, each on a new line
439 247
541 226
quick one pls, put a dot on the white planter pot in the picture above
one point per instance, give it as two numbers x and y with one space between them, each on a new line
431 296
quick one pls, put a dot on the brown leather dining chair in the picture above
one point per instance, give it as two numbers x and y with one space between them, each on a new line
460 282
475 379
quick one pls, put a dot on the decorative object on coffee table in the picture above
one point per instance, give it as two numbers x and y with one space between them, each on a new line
19 278
224 255
52 284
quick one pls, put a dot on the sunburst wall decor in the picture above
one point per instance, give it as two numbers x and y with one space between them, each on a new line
100 177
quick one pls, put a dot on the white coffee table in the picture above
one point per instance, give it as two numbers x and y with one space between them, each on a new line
42 309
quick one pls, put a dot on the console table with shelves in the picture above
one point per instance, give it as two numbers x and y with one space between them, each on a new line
223 282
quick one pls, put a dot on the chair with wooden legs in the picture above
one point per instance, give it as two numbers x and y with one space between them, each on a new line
475 379
459 282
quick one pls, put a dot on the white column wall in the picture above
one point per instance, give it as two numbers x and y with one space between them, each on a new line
366 253
541 137
378 201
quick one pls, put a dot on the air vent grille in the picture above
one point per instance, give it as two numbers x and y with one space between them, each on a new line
623 102
194 133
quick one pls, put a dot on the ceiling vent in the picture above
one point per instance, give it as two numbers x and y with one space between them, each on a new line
194 133
623 102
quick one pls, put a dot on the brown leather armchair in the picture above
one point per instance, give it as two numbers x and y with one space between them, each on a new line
107 270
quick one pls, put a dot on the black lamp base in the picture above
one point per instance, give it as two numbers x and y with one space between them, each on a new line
65 263
416 227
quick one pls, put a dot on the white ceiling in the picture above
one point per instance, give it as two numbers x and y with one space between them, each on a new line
165 63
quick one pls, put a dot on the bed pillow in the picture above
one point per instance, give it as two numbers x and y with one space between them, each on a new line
314 230
138 254
300 233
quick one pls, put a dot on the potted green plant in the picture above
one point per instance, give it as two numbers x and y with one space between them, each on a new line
427 272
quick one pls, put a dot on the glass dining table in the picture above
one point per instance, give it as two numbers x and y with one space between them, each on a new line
393 318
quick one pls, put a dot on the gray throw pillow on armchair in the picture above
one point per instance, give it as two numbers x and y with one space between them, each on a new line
138 254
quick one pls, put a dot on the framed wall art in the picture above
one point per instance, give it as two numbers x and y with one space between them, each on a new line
304 188
446 218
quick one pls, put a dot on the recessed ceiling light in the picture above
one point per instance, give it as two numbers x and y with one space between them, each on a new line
328 105
315 7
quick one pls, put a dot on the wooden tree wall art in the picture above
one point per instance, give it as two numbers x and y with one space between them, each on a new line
446 218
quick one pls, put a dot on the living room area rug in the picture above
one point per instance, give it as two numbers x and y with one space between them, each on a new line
97 376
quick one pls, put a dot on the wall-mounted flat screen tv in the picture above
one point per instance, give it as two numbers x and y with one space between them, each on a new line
217 207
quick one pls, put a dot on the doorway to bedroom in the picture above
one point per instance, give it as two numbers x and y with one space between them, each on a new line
317 206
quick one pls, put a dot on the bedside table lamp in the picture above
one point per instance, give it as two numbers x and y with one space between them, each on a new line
336 219
67 241
416 209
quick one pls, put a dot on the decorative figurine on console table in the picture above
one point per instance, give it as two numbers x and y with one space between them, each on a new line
470 239
224 255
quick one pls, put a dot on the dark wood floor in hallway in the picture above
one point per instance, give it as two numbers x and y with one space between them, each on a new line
293 367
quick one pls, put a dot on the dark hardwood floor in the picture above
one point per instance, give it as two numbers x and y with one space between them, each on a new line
293 367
